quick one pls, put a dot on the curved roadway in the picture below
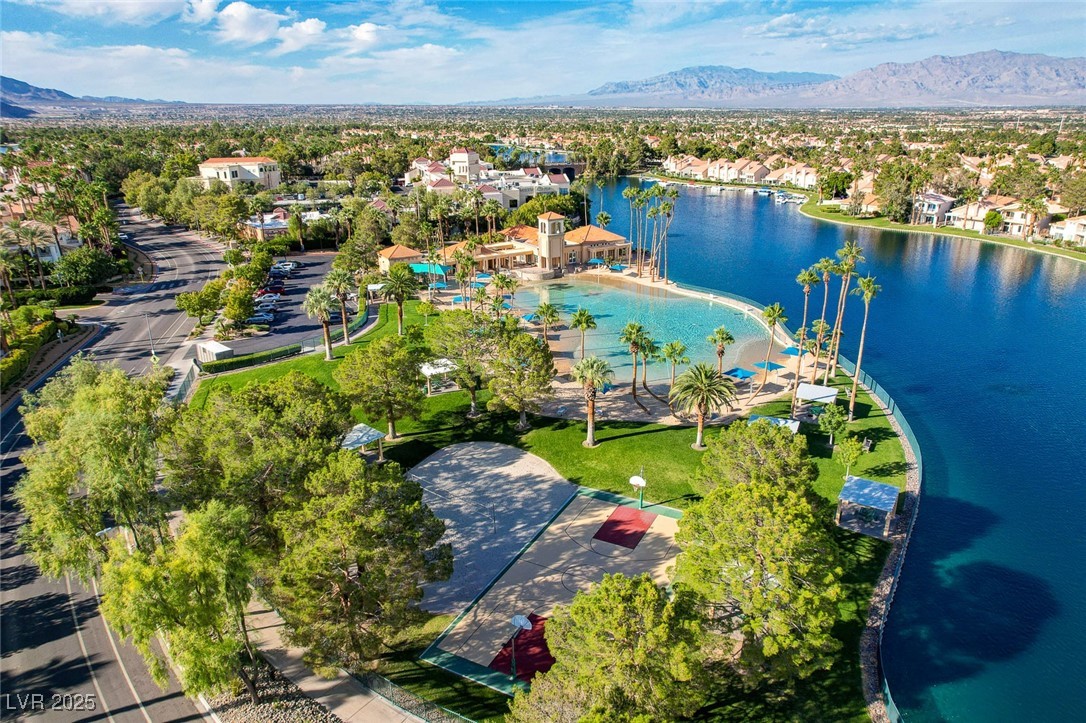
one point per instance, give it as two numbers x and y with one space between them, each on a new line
56 648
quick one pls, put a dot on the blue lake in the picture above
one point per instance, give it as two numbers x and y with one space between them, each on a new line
982 347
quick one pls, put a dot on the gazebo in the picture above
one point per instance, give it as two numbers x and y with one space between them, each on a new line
860 504
792 425
816 393
362 434
434 368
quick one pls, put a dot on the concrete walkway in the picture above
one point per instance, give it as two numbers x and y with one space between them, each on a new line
344 696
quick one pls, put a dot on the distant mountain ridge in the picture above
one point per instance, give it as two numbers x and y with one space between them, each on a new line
20 93
989 78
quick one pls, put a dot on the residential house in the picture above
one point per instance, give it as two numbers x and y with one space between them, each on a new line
464 163
395 254
931 208
1071 230
970 216
261 170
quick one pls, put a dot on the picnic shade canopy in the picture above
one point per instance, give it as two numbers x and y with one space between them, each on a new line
816 393
483 276
769 366
869 494
435 269
437 366
529 317
478 285
360 435
374 287
793 351
439 285
792 425
739 373
618 267
458 300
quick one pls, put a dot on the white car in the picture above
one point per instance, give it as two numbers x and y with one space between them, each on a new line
267 297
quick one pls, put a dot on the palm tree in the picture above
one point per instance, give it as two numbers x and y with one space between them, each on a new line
819 328
650 351
700 389
807 279
592 373
633 335
319 304
827 267
868 290
850 255
675 354
721 338
52 220
6 266
603 219
32 237
548 317
1035 208
400 285
582 320
771 315
340 283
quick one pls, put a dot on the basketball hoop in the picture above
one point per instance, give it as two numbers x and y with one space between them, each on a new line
639 482
519 623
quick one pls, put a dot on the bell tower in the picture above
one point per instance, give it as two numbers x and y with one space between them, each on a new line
551 235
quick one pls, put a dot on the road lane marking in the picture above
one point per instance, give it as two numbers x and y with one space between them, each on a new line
117 654
83 647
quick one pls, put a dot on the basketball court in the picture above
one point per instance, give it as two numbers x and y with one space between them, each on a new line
594 534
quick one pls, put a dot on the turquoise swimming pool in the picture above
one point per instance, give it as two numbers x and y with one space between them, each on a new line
668 316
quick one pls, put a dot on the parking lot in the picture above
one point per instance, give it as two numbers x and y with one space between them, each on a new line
291 325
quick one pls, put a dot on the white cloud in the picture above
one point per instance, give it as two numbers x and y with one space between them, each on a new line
135 12
241 23
363 36
299 35
200 11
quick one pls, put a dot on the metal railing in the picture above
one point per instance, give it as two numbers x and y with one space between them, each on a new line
186 384
407 701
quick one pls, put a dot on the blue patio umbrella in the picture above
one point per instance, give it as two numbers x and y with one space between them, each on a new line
529 317
483 277
769 366
596 261
618 267
793 351
478 285
739 373
506 305
439 285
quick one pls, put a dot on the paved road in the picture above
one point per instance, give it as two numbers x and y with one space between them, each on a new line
52 639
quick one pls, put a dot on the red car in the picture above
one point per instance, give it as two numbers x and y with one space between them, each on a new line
265 292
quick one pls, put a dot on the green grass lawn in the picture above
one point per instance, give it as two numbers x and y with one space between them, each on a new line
669 465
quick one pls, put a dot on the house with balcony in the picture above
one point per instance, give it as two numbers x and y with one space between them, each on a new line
261 170
1071 230
970 216
930 209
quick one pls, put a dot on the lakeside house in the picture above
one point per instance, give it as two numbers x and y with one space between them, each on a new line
930 208
261 170
970 216
1071 230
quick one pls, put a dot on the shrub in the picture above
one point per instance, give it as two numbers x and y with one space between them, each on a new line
63 296
248 360
14 365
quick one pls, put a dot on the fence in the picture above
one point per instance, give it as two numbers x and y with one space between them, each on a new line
408 701
186 384
873 386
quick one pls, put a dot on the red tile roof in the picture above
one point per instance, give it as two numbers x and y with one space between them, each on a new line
234 160
442 183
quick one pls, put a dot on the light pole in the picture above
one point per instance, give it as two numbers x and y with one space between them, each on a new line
147 320
639 482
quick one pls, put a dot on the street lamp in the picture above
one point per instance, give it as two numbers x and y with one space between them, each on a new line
520 623
147 320
639 482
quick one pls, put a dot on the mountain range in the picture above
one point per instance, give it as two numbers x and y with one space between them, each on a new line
16 95
990 78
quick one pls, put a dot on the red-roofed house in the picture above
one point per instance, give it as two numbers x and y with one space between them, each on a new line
395 254
442 185
261 170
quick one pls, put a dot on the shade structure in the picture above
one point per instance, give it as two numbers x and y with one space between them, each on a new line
596 261
618 267
792 425
359 436
437 366
793 351
869 493
816 393
374 287
483 277
739 373
439 285
435 269
529 317
458 299
506 305
769 366
478 285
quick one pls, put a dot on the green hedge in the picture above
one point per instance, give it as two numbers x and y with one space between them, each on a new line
239 362
16 361
64 295
13 366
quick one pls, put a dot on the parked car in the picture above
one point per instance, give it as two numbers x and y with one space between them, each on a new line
288 265
274 288
267 308
264 295
260 319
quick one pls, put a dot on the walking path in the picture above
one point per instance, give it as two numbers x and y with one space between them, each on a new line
344 695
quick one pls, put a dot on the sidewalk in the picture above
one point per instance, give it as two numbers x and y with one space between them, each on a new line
344 696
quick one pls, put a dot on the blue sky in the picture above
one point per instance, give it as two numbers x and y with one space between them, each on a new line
407 51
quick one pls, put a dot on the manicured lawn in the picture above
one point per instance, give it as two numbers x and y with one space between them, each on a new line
669 465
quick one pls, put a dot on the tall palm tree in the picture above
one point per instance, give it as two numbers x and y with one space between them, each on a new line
1035 208
582 320
400 285
633 335
850 256
700 389
771 315
340 283
807 279
650 351
603 219
721 338
33 237
819 329
674 353
548 317
592 373
868 290
6 266
52 221
318 304
827 267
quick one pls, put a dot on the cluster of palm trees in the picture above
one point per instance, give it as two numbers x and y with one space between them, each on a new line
652 210
29 239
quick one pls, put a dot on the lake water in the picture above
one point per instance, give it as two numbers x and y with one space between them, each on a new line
982 347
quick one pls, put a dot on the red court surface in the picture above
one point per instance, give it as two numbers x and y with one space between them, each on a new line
533 655
625 527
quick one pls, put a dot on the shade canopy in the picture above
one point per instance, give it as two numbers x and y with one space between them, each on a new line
435 269
618 267
769 366
374 287
816 393
478 285
458 299
596 261
360 435
869 493
792 425
739 373
439 285
437 366
506 305
793 351
529 317
483 277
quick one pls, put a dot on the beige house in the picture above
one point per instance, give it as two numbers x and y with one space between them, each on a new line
261 170
1071 230
970 216
395 254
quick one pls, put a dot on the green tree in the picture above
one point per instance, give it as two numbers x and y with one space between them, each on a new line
633 335
1073 192
400 285
850 256
547 314
319 304
193 592
626 649
340 284
868 290
358 551
700 389
468 340
239 302
233 257
808 279
583 321
521 376
849 452
832 421
993 221
772 316
721 338
382 378
766 569
674 352
743 451
84 266
592 373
